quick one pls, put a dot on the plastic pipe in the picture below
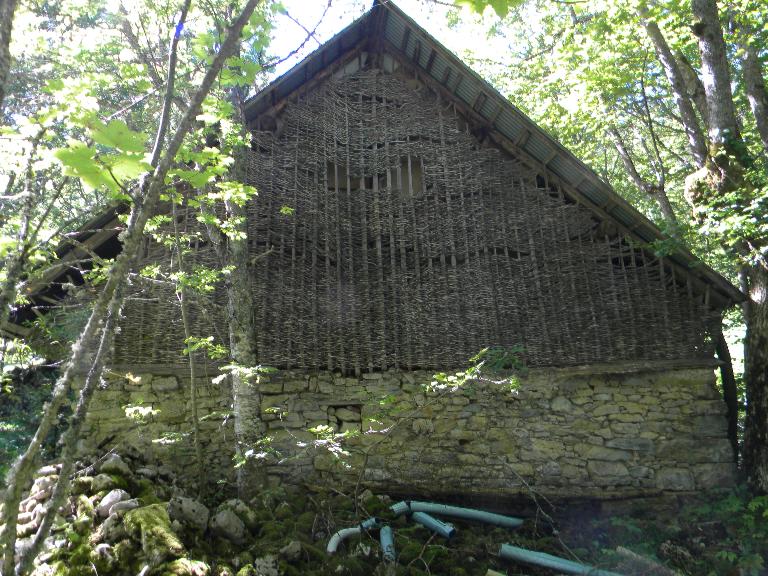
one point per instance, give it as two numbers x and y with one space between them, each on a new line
443 529
387 544
409 506
341 535
509 552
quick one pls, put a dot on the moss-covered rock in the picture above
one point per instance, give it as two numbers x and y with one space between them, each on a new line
125 554
246 514
185 567
152 527
82 485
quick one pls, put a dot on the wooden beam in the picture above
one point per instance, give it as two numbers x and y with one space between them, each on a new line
480 99
406 37
417 52
430 60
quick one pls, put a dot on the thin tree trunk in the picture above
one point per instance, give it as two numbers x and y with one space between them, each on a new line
730 391
151 187
655 191
666 208
696 141
18 260
246 399
694 87
715 73
7 10
755 451
72 435
183 294
754 85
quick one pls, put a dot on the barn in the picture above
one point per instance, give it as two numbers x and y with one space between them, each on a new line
408 216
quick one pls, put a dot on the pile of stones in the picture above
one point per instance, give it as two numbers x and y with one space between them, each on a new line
127 518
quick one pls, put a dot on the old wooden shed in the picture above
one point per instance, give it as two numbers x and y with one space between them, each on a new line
431 219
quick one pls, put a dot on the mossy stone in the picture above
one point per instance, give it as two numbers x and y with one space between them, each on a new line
119 482
224 570
152 526
305 522
283 511
82 485
185 567
375 507
84 506
125 554
272 530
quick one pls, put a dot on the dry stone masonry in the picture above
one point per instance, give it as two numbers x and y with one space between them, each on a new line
562 432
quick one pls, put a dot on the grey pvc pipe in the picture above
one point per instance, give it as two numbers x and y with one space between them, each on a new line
341 535
509 552
387 544
437 526
410 506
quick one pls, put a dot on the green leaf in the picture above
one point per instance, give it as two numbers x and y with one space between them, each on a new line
193 177
80 160
116 134
128 166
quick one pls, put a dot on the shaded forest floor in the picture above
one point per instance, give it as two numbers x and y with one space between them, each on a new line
119 521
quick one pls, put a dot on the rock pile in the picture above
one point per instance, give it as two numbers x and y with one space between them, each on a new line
125 517
128 518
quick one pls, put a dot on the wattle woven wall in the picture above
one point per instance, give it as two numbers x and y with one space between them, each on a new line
413 245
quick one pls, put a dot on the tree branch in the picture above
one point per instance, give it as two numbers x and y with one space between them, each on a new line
696 142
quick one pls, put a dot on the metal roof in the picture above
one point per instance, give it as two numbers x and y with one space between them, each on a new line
387 28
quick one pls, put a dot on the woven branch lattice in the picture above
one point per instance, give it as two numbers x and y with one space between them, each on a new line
412 245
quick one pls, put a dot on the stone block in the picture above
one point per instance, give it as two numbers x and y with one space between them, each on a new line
477 423
346 415
295 385
602 470
625 418
561 404
710 425
708 476
546 449
592 452
678 479
271 387
165 383
632 443
604 409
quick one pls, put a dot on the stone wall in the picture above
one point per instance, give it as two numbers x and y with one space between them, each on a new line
609 433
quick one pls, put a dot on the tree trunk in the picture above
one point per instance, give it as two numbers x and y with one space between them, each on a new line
72 434
149 193
755 452
754 85
17 262
730 391
666 208
696 142
715 73
246 400
7 9
694 87
183 296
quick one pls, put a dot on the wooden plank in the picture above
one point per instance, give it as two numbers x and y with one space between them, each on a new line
430 60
